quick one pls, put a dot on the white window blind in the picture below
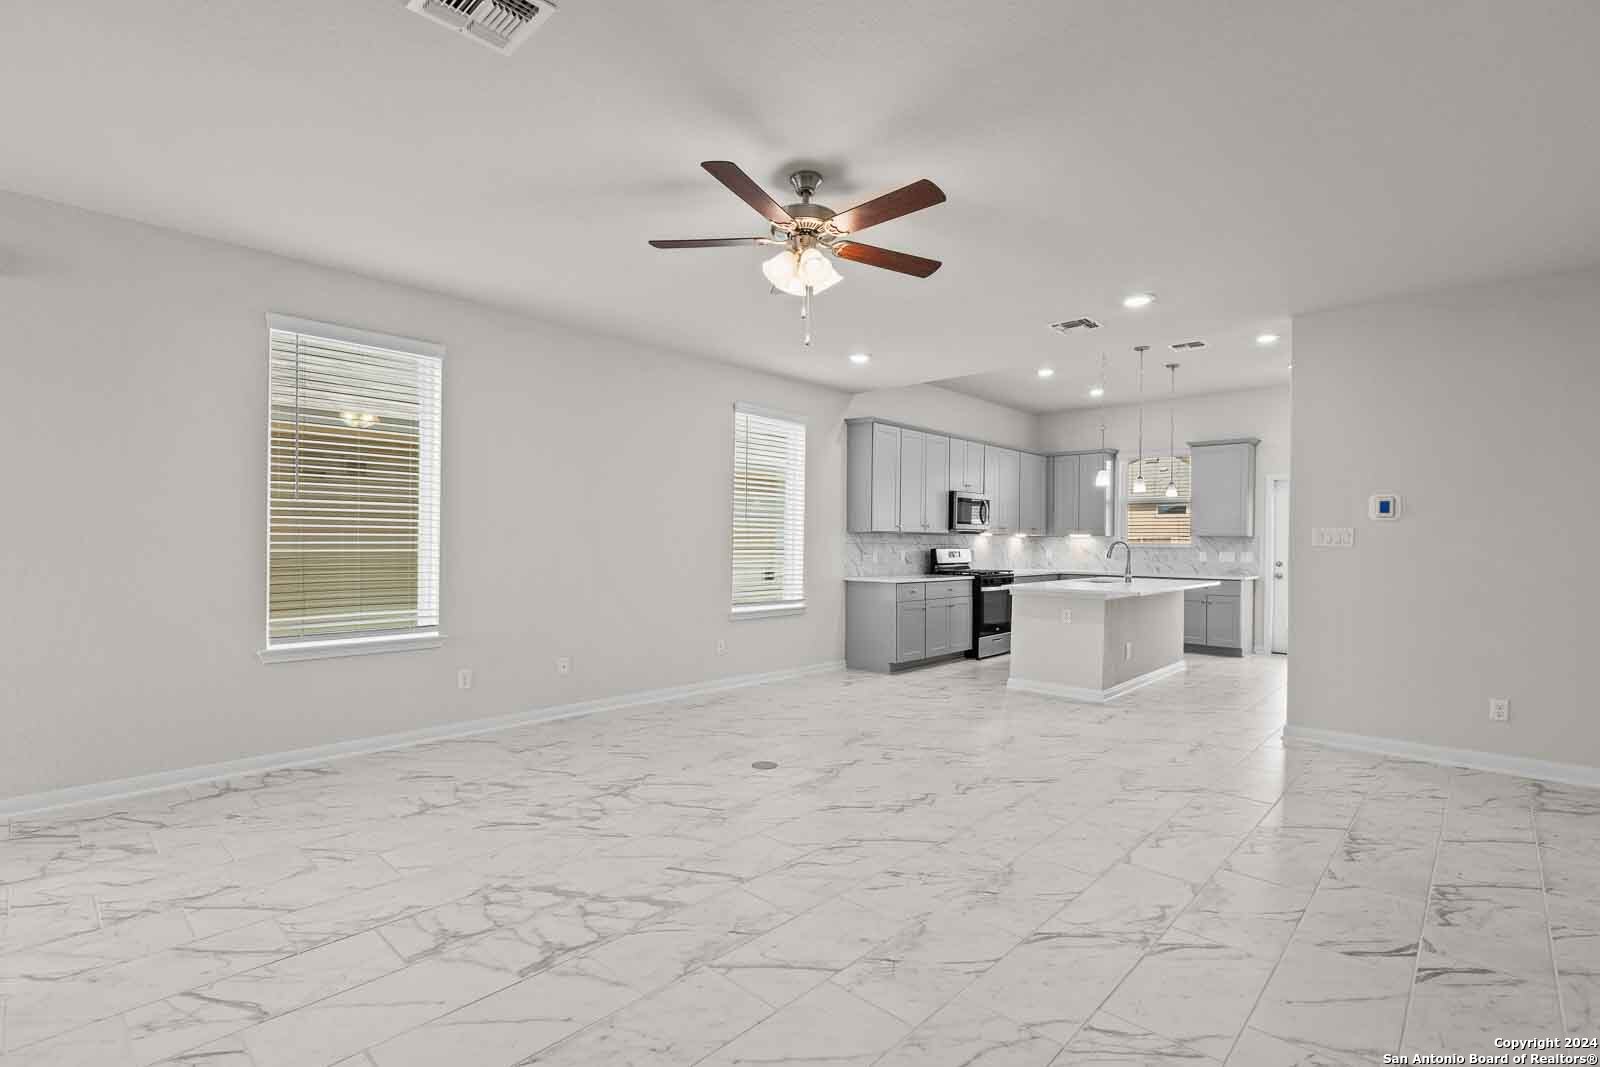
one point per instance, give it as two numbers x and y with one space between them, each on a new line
769 511
353 485
1153 517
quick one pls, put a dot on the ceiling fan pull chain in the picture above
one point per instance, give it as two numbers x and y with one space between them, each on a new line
805 314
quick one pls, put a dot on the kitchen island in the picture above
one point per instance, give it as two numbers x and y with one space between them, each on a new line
1095 639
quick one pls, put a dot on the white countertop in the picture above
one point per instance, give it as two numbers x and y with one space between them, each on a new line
897 579
1117 590
1029 572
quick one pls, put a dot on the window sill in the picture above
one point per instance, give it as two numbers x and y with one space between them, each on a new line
350 646
765 611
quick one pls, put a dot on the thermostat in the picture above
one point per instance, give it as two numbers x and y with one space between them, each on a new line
1383 506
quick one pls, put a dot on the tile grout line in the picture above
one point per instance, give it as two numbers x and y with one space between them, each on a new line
1327 865
1427 905
1544 898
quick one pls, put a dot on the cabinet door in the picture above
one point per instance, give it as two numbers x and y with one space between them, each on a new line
885 478
1063 495
1222 621
961 625
1094 501
910 631
958 464
1221 503
1006 491
974 466
991 482
936 487
1194 618
938 640
1033 493
913 459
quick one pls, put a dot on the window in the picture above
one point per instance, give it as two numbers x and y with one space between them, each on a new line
353 491
769 512
1154 518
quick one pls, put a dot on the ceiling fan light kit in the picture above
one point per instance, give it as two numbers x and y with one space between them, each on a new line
811 235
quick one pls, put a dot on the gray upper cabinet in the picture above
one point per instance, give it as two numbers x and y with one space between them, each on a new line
1222 496
1033 493
1063 495
966 465
1077 505
936 483
913 474
900 479
1002 474
885 478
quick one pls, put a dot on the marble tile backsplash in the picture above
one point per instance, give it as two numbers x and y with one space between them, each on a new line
882 555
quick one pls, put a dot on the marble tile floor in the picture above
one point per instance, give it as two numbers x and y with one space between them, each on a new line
938 873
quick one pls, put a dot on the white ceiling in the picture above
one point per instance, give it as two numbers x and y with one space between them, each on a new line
1245 160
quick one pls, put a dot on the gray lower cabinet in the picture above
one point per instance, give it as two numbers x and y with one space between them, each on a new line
1219 619
910 632
893 625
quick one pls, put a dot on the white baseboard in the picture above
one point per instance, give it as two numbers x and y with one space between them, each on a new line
1096 696
1521 766
122 788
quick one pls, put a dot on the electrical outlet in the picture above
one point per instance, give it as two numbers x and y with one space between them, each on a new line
564 665
1333 537
464 678
722 648
1127 650
1499 709
1066 615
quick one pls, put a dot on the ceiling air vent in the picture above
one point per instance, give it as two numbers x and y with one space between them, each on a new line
1181 345
499 24
1074 324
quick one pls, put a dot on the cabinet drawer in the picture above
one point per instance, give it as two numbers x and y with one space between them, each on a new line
948 590
908 591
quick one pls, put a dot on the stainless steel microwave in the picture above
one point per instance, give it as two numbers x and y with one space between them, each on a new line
969 512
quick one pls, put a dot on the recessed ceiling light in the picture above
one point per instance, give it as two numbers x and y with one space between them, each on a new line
859 358
1138 300
1266 338
1097 391
1046 372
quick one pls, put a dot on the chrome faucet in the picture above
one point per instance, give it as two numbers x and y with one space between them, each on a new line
1127 571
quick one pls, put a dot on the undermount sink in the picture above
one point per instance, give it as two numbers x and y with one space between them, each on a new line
1102 581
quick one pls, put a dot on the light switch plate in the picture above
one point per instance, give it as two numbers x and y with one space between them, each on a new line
1225 557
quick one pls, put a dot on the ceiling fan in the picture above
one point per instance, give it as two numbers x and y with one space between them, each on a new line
810 234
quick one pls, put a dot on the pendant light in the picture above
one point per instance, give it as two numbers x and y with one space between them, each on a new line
1102 477
1138 476
1172 435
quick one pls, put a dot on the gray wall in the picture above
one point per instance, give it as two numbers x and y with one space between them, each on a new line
1479 407
586 510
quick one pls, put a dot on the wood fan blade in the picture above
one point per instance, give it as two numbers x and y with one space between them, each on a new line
745 188
903 201
873 256
710 242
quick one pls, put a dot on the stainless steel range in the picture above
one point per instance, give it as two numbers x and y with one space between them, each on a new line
991 601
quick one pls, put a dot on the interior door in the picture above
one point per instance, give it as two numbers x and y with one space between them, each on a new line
1279 590
913 505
